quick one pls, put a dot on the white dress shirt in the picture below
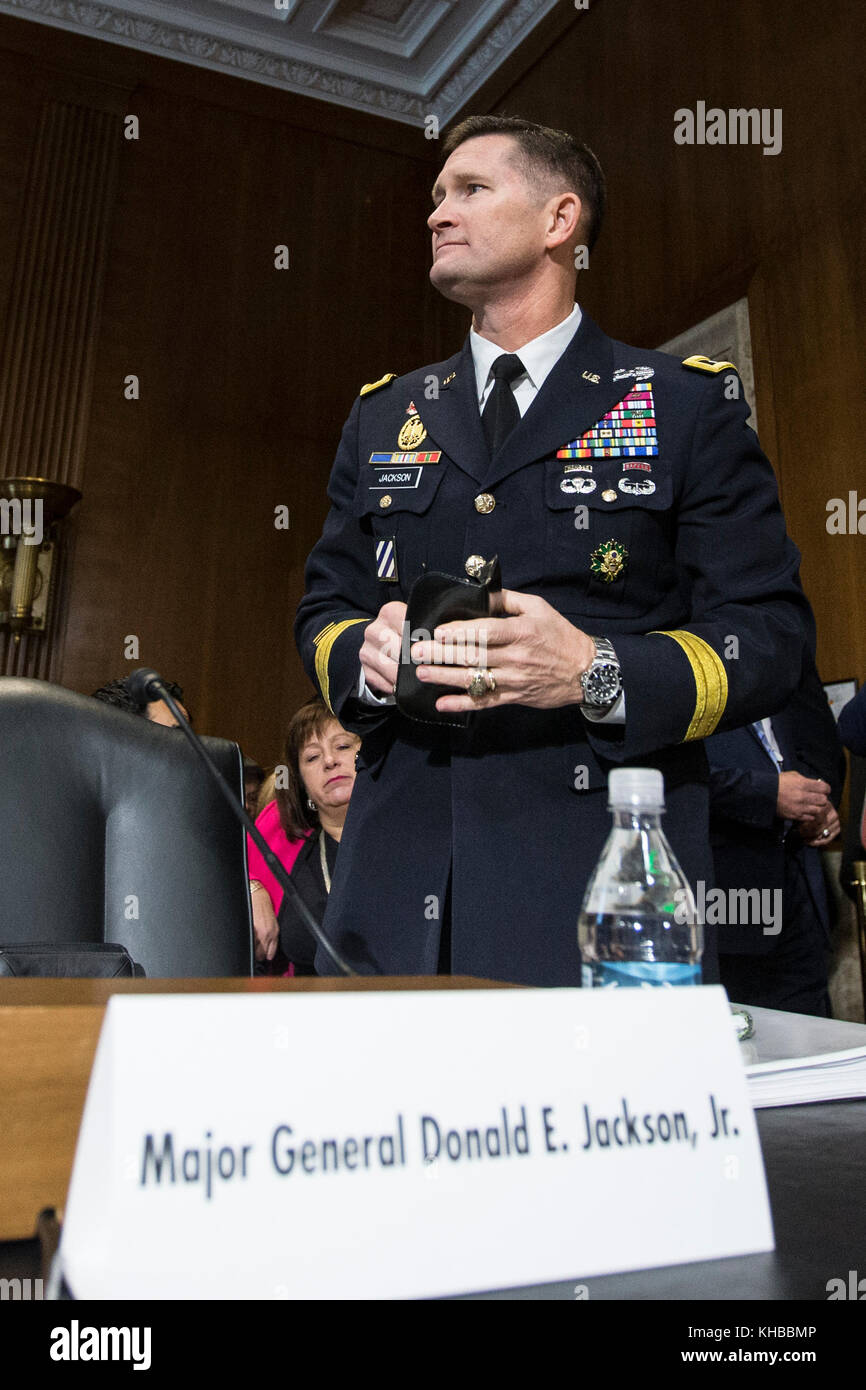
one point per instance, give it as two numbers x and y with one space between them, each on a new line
770 735
539 357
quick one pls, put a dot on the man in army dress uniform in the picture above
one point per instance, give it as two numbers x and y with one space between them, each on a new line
651 593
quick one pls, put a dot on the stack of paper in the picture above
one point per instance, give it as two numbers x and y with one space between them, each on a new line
793 1059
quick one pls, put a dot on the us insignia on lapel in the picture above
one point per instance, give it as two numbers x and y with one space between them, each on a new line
626 431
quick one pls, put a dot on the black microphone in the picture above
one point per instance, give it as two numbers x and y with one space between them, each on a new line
145 686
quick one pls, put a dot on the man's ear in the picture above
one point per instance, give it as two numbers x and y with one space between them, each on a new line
565 213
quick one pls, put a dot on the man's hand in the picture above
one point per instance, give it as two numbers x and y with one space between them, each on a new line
535 656
380 651
821 830
802 798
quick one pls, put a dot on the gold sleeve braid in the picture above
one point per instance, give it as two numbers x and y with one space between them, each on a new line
323 643
711 682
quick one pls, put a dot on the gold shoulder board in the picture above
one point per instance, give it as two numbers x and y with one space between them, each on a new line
706 364
374 385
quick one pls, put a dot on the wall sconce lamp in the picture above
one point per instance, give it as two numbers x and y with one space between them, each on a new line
30 512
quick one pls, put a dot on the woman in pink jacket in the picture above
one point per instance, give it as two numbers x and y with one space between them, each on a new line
303 826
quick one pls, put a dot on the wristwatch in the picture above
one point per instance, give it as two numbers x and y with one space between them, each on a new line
602 679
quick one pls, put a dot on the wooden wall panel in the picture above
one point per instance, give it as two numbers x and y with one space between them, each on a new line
50 326
814 291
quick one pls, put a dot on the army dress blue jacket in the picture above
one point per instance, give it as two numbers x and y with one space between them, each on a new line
658 527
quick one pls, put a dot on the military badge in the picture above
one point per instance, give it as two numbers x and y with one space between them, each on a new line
639 373
608 561
573 485
639 487
411 434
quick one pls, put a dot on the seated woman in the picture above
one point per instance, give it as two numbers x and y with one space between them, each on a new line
302 825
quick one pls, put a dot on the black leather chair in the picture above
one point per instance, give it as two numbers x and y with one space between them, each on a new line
112 830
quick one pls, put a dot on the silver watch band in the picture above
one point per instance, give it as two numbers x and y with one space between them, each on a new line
604 655
604 648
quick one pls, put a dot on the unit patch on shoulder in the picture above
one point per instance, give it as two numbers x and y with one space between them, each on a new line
374 385
706 364
386 560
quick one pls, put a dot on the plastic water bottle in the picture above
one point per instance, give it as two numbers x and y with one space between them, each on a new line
638 923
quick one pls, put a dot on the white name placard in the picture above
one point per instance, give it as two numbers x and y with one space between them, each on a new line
403 1144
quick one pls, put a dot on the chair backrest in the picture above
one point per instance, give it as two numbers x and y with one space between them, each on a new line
112 830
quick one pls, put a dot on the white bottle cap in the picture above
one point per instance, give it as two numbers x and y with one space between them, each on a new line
636 788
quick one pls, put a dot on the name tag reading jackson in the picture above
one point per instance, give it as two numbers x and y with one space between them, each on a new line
314 1146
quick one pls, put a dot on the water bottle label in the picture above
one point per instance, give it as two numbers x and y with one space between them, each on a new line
631 974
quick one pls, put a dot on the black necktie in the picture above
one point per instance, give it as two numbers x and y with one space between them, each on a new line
500 413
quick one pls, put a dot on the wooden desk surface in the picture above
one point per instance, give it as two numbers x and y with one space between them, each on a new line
48 1035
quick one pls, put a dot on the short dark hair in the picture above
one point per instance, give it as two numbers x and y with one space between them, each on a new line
553 153
117 693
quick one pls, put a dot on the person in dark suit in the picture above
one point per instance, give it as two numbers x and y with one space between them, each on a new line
852 724
651 591
852 731
774 789
118 694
